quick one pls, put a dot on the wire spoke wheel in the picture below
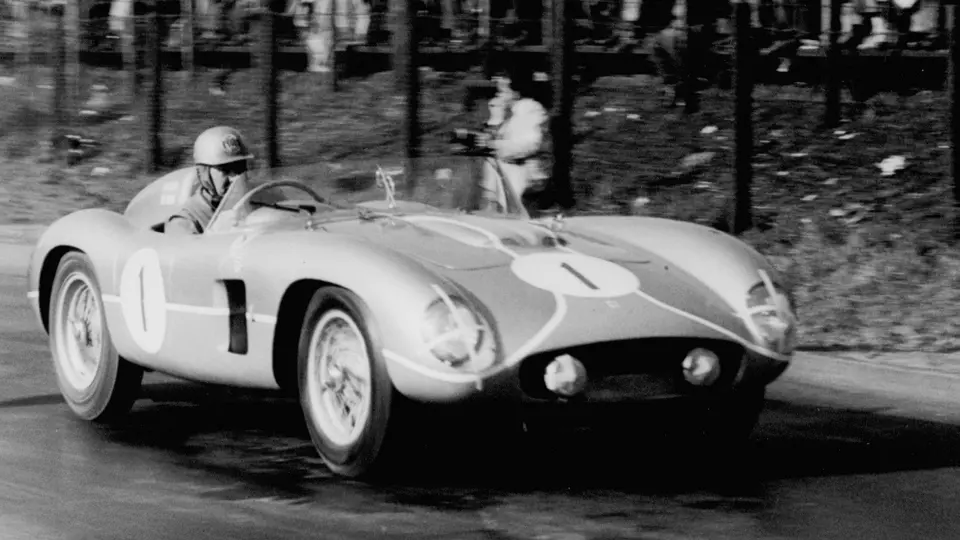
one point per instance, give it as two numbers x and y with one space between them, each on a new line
338 378
346 393
79 337
94 380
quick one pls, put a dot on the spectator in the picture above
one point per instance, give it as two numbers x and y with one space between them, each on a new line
378 32
643 18
17 18
778 26
226 23
863 25
520 21
518 125
456 16
429 21
930 20
892 23
676 64
600 17
318 20
352 17
669 48
121 11
776 18
629 17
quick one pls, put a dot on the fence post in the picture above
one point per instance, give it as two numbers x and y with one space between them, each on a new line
834 75
332 75
744 57
814 18
59 77
20 30
486 31
411 78
270 80
74 67
561 52
155 125
953 12
24 60
484 26
187 34
693 53
547 30
128 46
400 34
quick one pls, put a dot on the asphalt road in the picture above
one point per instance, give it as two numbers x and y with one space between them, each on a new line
199 463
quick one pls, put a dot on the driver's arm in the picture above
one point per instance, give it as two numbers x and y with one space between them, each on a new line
192 217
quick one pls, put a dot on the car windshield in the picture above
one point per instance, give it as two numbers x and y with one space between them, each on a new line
389 185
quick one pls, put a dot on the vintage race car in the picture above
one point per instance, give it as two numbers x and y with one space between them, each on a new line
361 287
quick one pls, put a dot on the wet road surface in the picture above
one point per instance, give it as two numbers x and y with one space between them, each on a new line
199 463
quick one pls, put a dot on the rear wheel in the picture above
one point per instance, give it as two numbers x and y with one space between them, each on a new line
94 380
345 390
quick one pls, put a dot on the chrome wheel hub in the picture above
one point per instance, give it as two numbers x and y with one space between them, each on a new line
79 331
338 378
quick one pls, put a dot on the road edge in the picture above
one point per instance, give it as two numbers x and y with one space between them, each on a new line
16 247
930 377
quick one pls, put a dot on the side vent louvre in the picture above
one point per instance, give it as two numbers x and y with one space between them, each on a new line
237 302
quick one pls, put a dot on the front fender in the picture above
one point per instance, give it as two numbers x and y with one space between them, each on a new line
724 263
397 289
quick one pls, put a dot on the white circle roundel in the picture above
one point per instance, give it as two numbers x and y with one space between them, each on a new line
143 301
574 274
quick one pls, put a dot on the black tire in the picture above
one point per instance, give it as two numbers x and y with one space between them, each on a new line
364 455
115 384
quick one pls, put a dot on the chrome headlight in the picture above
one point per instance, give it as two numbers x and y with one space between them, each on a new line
772 316
458 336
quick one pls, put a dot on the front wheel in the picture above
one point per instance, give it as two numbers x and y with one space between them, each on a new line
94 380
345 391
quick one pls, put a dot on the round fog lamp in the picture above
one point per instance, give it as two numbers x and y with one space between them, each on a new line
701 367
565 376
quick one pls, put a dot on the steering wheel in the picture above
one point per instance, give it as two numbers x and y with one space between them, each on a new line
241 203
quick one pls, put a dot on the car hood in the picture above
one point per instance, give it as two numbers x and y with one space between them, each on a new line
470 242
586 288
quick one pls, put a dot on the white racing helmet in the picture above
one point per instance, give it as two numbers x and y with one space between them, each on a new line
219 146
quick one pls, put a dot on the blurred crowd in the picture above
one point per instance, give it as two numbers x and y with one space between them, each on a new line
609 23
663 27
624 23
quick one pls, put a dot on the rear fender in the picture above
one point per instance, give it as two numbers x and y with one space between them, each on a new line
106 237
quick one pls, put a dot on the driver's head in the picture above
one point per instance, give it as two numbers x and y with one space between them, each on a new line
220 155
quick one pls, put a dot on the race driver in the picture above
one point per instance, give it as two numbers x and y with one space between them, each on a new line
221 158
